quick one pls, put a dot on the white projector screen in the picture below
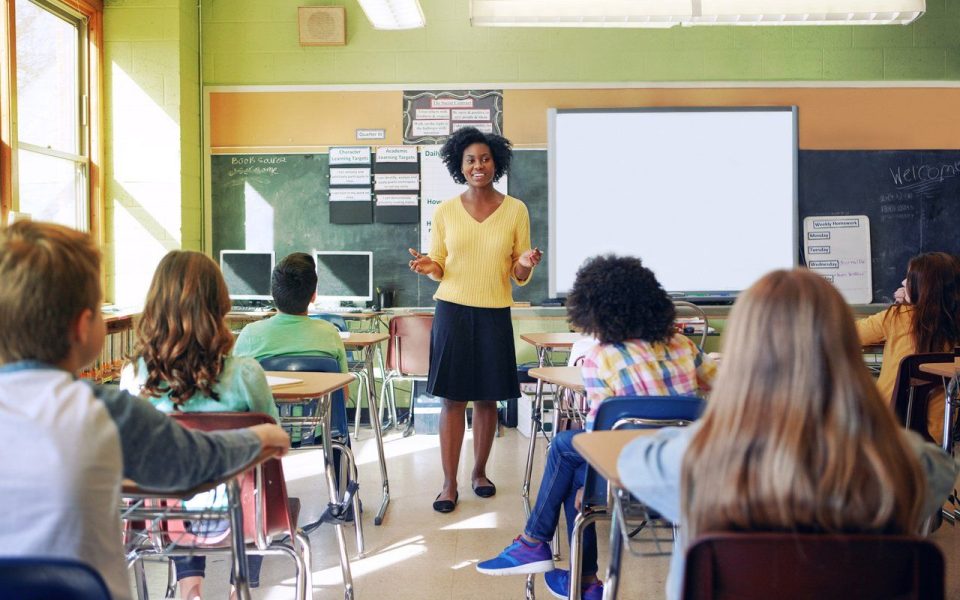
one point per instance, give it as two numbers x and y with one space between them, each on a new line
707 198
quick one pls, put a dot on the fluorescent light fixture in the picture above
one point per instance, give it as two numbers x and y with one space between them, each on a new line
393 14
667 13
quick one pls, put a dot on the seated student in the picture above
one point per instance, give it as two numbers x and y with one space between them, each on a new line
291 332
619 301
795 437
67 443
183 363
928 320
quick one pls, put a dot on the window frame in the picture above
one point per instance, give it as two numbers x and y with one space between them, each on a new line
90 100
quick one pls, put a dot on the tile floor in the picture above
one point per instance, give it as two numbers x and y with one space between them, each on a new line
419 554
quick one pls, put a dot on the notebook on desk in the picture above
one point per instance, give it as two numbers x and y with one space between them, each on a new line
275 382
344 334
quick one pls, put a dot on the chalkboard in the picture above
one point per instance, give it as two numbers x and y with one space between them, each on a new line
280 202
912 199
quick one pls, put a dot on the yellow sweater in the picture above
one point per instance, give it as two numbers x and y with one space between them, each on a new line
478 258
893 328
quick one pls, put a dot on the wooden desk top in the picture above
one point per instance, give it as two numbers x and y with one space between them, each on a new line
130 489
942 369
602 449
552 340
362 340
314 384
568 377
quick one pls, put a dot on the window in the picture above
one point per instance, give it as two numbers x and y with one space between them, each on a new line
49 165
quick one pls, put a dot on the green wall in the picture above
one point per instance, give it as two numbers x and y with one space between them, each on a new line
256 42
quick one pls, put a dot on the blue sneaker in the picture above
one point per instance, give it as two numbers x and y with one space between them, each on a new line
519 558
558 582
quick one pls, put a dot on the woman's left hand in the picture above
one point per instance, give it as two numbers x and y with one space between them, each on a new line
530 258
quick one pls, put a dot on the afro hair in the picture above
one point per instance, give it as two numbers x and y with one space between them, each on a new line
452 151
616 298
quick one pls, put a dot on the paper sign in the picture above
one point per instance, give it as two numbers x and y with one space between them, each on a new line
350 155
478 114
397 200
484 127
395 154
432 113
451 102
349 176
430 127
350 194
838 247
396 181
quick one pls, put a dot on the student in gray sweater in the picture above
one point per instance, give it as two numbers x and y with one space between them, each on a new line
67 443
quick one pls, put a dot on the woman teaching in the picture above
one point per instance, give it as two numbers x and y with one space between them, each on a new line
480 242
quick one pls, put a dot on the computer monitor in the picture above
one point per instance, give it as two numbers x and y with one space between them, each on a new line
344 275
247 274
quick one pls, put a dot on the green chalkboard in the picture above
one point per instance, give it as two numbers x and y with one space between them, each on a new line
280 202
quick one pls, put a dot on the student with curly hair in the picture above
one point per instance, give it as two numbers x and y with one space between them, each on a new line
795 438
928 320
183 363
480 242
621 303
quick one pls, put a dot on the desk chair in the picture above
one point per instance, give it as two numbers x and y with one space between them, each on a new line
686 309
911 400
357 368
408 356
269 516
622 412
911 392
790 566
340 440
41 578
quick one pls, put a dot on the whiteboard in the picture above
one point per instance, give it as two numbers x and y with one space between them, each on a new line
707 198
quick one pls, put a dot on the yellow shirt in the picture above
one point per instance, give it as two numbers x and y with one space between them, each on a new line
893 328
478 258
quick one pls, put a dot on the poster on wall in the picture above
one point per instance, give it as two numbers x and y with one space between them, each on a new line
351 196
436 185
838 247
396 181
430 116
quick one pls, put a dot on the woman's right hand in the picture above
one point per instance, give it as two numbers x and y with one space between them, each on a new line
272 437
422 264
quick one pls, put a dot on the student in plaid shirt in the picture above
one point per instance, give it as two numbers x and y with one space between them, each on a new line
621 303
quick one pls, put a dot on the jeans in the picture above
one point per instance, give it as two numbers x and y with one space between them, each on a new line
196 566
562 477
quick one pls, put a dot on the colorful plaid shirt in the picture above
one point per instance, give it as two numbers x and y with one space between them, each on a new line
635 367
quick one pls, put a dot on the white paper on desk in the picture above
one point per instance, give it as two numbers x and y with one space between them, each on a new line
275 382
838 247
344 335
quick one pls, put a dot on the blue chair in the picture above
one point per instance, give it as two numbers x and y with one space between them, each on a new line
30 578
356 367
623 412
340 439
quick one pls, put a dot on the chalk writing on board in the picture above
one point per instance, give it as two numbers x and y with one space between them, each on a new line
921 176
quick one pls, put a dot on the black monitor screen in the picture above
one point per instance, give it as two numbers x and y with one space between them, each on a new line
345 276
247 274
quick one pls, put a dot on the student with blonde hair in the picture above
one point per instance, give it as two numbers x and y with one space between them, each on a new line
68 443
183 363
795 437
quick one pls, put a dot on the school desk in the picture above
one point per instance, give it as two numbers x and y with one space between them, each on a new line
947 371
141 508
601 450
321 386
369 343
547 343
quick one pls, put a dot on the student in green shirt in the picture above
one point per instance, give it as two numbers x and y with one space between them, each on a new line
291 332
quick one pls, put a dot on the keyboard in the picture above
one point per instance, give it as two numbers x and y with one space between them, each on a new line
250 309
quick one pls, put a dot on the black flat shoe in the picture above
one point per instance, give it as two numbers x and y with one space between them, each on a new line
485 491
445 506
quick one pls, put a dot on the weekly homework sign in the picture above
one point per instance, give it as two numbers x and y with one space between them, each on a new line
838 247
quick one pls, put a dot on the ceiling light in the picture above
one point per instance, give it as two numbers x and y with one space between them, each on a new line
667 13
393 14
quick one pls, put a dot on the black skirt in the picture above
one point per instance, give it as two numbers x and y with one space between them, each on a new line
472 356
